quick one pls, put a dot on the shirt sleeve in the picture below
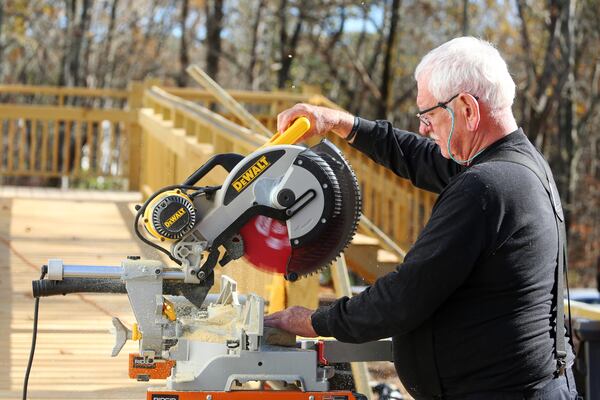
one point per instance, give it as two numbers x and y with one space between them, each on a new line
438 263
408 155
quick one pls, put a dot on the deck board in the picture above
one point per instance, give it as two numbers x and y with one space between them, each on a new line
74 344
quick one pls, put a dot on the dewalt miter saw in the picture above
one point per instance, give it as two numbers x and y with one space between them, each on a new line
285 208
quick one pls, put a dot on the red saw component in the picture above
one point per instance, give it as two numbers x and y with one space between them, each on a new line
266 244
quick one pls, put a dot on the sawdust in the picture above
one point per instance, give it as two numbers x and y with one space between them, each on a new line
216 326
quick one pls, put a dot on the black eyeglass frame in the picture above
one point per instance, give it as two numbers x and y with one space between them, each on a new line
438 105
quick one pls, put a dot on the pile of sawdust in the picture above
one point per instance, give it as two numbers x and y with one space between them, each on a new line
218 326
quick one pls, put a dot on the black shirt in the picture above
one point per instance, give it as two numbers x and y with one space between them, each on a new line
473 300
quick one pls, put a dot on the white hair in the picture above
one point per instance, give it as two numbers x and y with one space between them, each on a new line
471 65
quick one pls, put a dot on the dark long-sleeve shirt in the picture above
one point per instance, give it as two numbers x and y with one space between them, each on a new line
473 300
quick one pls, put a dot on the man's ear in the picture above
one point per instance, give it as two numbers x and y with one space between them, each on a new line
471 111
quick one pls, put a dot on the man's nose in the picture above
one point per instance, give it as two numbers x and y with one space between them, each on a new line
424 129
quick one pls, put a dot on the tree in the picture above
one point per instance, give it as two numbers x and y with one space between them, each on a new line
214 21
254 44
287 44
388 62
184 58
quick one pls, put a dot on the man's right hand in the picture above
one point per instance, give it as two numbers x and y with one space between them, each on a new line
322 120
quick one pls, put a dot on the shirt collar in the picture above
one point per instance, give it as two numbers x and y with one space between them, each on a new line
511 139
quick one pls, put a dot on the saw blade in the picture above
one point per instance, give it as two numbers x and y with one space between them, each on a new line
266 241
266 244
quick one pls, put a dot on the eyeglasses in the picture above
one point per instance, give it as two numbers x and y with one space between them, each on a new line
425 120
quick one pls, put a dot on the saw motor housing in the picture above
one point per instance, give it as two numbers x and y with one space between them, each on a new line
170 215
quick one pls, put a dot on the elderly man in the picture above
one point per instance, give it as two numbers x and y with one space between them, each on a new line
472 310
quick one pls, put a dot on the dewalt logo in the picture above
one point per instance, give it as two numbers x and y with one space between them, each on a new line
250 174
173 218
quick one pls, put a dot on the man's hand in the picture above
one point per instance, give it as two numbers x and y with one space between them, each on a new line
295 320
322 120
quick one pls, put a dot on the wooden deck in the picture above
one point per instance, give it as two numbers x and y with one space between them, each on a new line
72 359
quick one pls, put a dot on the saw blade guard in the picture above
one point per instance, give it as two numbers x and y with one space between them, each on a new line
340 229
313 237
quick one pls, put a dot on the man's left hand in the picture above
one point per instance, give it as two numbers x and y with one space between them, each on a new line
295 320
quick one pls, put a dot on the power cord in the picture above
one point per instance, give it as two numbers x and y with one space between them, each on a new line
34 337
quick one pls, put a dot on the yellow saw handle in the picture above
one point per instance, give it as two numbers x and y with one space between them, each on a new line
291 134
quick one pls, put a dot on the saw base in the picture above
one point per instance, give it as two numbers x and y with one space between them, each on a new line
253 395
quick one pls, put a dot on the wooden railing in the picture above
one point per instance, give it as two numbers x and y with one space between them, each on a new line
41 137
58 95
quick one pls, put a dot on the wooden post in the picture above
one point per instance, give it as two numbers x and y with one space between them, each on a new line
227 101
136 93
341 284
134 133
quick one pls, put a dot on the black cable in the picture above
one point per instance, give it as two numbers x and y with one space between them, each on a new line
33 338
148 242
140 212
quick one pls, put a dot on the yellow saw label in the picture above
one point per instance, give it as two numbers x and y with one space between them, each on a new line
251 174
173 218
247 174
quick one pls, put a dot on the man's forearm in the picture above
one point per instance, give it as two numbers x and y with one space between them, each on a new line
406 154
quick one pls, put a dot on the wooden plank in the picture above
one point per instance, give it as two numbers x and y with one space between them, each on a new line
227 101
66 161
99 148
63 90
44 151
2 149
121 151
33 145
254 96
221 125
55 145
65 113
134 140
111 146
41 174
90 144
583 310
10 147
22 138
77 156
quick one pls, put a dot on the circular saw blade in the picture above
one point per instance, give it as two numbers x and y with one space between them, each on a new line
266 240
266 244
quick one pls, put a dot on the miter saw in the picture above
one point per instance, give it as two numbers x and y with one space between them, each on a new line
286 208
